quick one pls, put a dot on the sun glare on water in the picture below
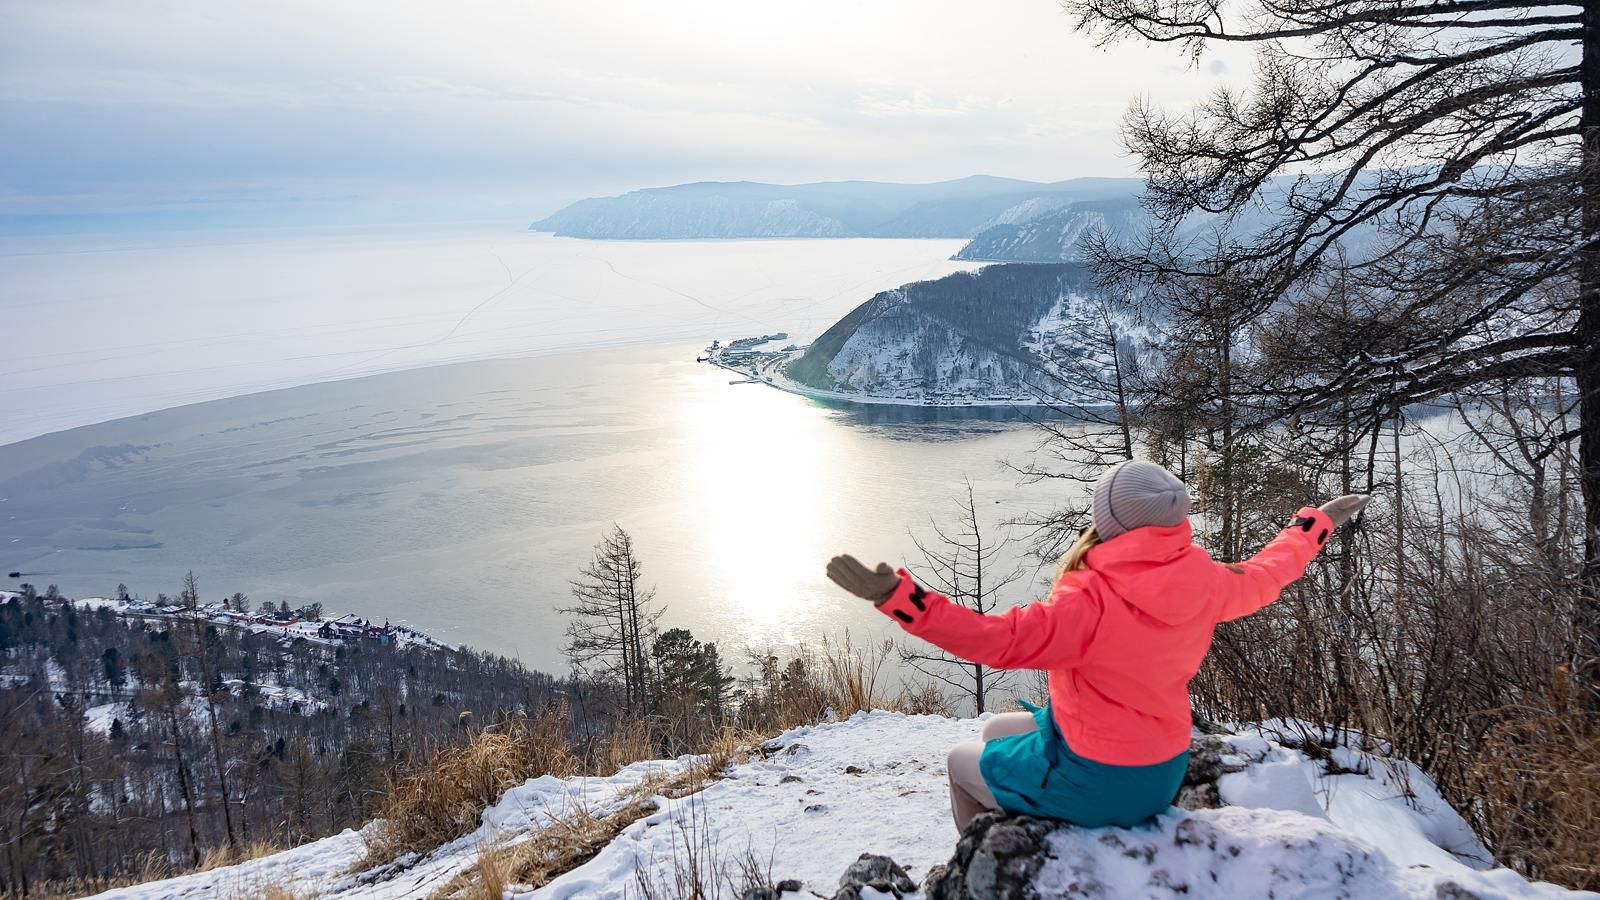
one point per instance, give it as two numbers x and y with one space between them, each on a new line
756 487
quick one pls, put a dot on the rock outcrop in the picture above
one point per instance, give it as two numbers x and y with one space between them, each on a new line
999 856
1203 848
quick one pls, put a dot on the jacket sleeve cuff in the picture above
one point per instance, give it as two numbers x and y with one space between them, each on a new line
1314 522
908 604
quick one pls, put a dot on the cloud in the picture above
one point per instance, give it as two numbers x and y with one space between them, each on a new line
917 103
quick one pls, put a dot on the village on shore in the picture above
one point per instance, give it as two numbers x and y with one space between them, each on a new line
305 623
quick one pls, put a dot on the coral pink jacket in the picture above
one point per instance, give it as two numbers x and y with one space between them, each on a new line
1122 637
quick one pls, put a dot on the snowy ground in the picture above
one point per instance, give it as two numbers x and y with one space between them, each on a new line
876 783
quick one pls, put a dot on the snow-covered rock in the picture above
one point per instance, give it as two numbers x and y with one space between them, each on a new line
1222 853
817 798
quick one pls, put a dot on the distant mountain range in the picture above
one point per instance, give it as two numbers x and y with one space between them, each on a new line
962 208
1005 219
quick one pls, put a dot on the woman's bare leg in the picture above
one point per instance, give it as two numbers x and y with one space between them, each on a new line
1007 724
969 795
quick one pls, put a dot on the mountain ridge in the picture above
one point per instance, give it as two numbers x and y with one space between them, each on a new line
956 208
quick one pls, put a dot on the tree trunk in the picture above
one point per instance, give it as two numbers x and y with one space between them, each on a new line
641 663
183 783
1122 391
1230 540
1399 518
1588 376
222 771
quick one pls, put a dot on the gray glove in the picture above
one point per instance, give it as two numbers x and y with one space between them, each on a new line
1340 509
876 585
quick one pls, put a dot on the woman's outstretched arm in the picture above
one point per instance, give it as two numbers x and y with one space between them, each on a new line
1247 586
1053 634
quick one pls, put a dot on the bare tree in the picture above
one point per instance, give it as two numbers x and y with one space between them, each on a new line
613 620
202 640
162 695
965 564
1450 147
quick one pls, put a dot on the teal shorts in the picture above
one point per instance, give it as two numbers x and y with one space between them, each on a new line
1037 774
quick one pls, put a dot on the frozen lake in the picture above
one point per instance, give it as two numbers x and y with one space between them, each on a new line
99 328
463 497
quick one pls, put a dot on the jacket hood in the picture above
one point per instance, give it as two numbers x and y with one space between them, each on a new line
1156 569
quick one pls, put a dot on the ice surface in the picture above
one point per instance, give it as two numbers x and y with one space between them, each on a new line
100 328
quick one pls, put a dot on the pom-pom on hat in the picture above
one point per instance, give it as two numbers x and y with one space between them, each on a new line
1135 494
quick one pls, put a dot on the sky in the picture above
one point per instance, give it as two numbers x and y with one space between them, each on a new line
152 114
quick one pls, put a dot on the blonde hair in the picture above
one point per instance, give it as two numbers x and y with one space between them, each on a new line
1080 548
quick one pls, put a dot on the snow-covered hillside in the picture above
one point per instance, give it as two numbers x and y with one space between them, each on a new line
818 797
1017 333
1044 234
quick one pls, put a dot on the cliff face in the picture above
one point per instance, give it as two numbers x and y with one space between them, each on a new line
971 335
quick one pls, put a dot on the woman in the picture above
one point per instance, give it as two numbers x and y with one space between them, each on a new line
1127 625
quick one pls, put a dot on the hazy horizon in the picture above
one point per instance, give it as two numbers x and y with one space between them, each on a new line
142 116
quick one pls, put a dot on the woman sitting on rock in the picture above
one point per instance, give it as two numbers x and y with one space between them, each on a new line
1124 629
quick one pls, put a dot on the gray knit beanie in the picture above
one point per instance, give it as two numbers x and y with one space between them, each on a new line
1135 494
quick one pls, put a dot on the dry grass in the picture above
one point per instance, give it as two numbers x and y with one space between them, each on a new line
153 868
566 842
445 799
924 699
221 857
700 868
1539 792
278 892
572 839
838 678
493 874
625 742
854 675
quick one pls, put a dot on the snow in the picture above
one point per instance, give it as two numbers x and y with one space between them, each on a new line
821 795
99 717
1238 852
323 867
1369 797
815 826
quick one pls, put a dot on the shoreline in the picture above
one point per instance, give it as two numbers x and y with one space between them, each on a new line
770 371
